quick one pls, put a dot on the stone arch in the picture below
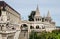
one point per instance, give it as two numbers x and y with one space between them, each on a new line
31 27
37 27
24 27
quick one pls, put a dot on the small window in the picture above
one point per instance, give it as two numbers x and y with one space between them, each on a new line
13 28
37 27
1 27
42 19
31 27
7 24
38 19
1 19
0 12
45 19
8 19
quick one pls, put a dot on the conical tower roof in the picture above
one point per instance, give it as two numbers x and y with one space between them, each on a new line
37 11
48 14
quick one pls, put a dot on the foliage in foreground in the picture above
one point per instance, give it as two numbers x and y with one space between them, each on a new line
55 34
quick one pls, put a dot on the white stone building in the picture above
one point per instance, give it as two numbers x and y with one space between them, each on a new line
12 27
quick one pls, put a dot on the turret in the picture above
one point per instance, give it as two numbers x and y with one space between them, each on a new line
37 16
37 11
48 14
48 17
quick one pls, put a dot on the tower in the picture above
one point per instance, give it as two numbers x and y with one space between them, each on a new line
48 14
48 17
37 16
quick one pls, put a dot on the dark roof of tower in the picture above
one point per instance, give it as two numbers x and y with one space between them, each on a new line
4 4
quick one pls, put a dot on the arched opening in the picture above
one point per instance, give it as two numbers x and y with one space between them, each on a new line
13 28
37 27
36 19
0 12
31 27
24 27
24 31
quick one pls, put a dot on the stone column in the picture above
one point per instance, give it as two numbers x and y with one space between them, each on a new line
4 36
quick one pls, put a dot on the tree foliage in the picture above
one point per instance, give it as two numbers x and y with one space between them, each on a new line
55 34
31 16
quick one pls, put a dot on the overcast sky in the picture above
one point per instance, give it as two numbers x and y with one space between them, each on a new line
24 7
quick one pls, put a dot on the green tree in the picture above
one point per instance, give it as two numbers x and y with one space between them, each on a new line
55 34
31 16
33 35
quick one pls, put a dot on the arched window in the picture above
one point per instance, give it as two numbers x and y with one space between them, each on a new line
37 27
13 28
38 19
31 27
24 25
7 24
0 12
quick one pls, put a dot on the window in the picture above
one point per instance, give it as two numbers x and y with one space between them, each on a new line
45 19
42 19
1 27
7 24
8 19
31 27
0 12
1 19
24 25
38 19
37 27
13 28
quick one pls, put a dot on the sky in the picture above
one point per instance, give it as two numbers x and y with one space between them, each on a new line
24 7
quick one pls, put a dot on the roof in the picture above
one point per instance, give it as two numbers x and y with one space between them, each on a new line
4 4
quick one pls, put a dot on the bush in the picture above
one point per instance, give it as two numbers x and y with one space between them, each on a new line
55 34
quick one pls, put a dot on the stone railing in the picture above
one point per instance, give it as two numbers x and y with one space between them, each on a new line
38 30
8 31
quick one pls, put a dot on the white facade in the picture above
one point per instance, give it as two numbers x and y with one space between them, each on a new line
12 27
